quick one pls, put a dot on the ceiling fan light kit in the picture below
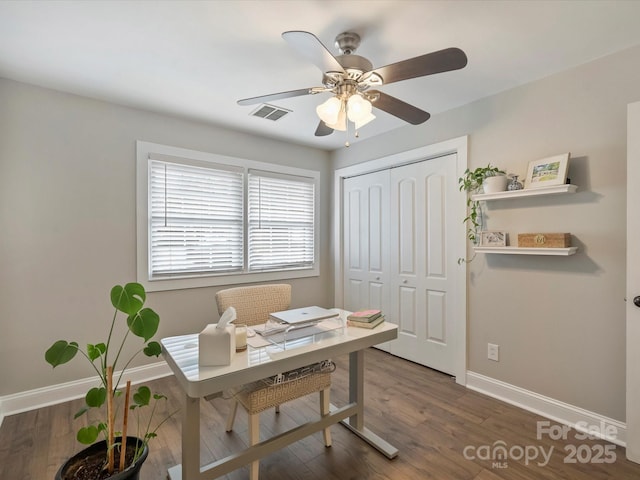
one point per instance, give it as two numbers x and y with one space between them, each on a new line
336 110
349 77
328 111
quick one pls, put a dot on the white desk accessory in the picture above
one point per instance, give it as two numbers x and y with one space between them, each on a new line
217 342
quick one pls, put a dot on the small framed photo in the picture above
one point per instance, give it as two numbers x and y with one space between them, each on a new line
493 239
547 171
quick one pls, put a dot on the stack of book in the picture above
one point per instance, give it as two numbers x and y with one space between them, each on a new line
365 319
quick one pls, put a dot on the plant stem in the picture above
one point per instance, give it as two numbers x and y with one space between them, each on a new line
153 411
127 366
113 322
100 373
110 421
120 350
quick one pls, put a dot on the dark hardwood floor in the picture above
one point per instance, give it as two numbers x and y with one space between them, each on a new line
443 431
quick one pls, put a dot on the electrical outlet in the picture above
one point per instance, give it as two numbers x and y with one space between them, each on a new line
493 352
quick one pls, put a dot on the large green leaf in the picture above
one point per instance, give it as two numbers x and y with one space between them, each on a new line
61 352
153 349
144 323
88 435
128 299
142 397
96 397
94 351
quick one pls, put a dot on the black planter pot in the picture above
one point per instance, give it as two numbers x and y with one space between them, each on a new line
130 473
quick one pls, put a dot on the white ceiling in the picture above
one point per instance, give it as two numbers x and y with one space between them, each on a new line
196 58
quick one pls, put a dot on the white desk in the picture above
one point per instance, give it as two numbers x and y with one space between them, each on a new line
181 353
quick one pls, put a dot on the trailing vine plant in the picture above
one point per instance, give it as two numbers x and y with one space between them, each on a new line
471 182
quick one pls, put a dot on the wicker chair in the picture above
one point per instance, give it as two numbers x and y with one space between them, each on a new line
253 305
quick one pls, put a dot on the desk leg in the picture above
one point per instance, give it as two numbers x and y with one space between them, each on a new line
356 387
190 467
191 439
355 423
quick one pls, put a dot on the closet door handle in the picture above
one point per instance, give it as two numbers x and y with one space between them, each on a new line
636 301
404 281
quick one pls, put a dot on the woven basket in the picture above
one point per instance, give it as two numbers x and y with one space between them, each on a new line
257 396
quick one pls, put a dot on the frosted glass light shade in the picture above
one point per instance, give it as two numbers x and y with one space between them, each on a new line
329 110
340 123
358 108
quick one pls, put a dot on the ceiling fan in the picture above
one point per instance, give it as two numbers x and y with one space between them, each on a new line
350 77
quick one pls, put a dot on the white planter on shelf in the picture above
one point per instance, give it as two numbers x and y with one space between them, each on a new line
496 183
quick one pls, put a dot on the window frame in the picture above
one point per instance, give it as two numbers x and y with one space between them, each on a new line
143 152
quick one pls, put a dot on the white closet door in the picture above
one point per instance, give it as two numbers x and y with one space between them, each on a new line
366 241
421 279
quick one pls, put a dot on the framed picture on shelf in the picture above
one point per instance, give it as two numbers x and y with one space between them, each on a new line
547 172
493 239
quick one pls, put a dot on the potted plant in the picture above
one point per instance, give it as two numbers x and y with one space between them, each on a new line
117 457
471 182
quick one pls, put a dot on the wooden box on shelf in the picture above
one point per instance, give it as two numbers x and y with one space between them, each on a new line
544 240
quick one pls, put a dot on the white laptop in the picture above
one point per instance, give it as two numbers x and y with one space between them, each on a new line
299 316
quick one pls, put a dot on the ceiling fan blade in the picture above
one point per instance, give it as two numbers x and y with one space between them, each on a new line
274 96
308 45
397 108
428 64
323 130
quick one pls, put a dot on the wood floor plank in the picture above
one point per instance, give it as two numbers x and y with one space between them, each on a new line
439 427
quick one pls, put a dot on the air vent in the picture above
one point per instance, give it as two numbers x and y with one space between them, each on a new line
270 112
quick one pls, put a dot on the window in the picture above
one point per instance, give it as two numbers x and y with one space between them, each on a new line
195 219
281 221
205 219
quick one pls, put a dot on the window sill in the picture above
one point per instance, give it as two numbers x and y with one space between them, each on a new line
217 280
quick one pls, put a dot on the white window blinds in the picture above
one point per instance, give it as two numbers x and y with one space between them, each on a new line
280 221
196 219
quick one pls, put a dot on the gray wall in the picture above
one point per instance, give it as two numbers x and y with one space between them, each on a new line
67 220
67 213
559 321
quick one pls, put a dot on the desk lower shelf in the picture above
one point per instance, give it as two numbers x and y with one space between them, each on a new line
527 251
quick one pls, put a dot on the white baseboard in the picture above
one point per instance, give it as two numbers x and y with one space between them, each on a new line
550 408
54 394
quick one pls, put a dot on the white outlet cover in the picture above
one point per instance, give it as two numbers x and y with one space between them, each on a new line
493 352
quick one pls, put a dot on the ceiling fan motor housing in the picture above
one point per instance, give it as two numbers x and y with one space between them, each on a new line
354 65
347 42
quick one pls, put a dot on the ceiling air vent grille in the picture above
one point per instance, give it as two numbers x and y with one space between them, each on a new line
270 112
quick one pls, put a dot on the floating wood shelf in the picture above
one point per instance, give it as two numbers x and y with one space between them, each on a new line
527 192
527 251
